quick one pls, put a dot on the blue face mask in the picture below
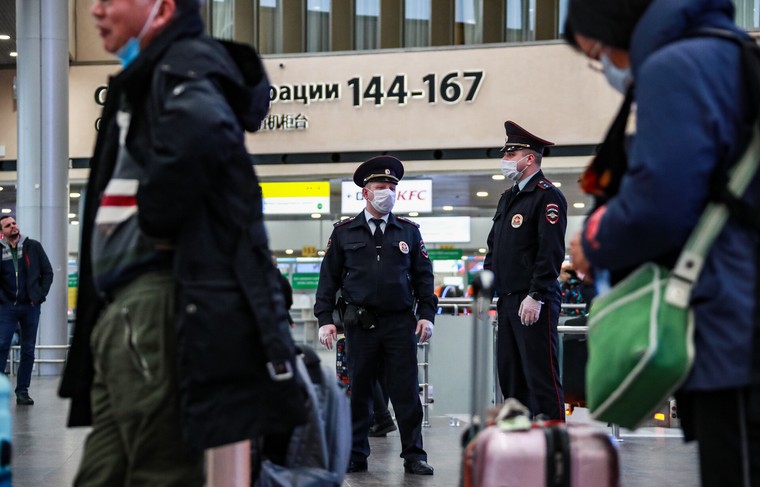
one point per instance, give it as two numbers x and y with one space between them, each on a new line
131 49
618 78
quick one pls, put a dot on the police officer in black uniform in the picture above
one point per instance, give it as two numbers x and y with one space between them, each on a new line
379 263
526 247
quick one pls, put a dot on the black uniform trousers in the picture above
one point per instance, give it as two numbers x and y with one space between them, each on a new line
527 356
391 348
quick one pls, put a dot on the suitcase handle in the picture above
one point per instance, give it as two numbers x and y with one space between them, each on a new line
483 286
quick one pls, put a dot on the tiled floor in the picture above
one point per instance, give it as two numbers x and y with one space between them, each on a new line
46 453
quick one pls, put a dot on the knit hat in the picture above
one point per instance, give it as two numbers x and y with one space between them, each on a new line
609 21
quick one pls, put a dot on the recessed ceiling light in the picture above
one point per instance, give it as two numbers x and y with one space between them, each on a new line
5 210
482 251
558 184
289 251
448 208
481 194
72 215
498 177
13 54
4 37
413 213
579 205
316 215
343 217
74 222
1 188
320 253
74 195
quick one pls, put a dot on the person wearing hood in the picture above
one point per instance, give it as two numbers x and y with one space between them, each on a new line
181 340
380 265
25 279
694 118
526 247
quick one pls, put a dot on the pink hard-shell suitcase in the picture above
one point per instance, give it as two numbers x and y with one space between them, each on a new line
573 455
515 452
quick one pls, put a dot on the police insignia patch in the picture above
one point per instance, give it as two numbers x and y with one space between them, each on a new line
517 220
552 213
423 250
403 247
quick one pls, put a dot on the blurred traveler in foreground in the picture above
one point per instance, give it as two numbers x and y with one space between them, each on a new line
693 121
181 340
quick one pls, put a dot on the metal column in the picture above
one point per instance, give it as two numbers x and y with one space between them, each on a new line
43 136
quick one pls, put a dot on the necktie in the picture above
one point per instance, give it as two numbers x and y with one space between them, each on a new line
378 234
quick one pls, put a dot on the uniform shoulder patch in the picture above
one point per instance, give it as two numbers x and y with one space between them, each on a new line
407 220
343 221
545 184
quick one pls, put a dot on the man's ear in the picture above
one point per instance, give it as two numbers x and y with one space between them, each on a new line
164 15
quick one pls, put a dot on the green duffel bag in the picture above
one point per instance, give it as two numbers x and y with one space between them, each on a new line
640 348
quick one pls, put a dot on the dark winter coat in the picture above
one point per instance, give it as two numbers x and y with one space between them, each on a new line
693 120
191 99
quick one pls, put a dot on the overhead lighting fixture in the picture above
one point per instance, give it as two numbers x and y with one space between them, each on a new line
13 54
413 213
343 217
5 210
481 194
320 253
447 208
4 37
579 205
498 177
289 251
1 188
316 215
74 222
74 195
557 184
72 215
482 251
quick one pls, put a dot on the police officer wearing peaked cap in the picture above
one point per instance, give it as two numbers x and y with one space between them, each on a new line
526 247
379 263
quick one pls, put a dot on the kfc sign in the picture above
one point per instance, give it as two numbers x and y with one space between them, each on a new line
411 195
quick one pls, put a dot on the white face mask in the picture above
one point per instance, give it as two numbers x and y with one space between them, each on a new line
618 78
509 169
383 200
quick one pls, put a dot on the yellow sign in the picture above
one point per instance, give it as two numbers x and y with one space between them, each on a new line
309 251
296 198
295 189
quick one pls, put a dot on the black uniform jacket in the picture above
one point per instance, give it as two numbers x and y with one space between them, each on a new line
402 275
526 245
191 99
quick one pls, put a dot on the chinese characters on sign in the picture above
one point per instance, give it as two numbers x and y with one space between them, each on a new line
285 121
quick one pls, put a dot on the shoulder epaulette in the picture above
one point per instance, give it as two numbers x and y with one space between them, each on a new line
343 221
545 184
406 220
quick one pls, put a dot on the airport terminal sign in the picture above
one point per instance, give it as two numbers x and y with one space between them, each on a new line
296 198
411 195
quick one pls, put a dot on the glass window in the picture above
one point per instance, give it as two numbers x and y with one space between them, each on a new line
416 23
469 22
521 20
318 25
366 23
748 13
223 19
563 15
270 26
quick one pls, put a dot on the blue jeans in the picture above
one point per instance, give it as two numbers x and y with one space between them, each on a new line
25 318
